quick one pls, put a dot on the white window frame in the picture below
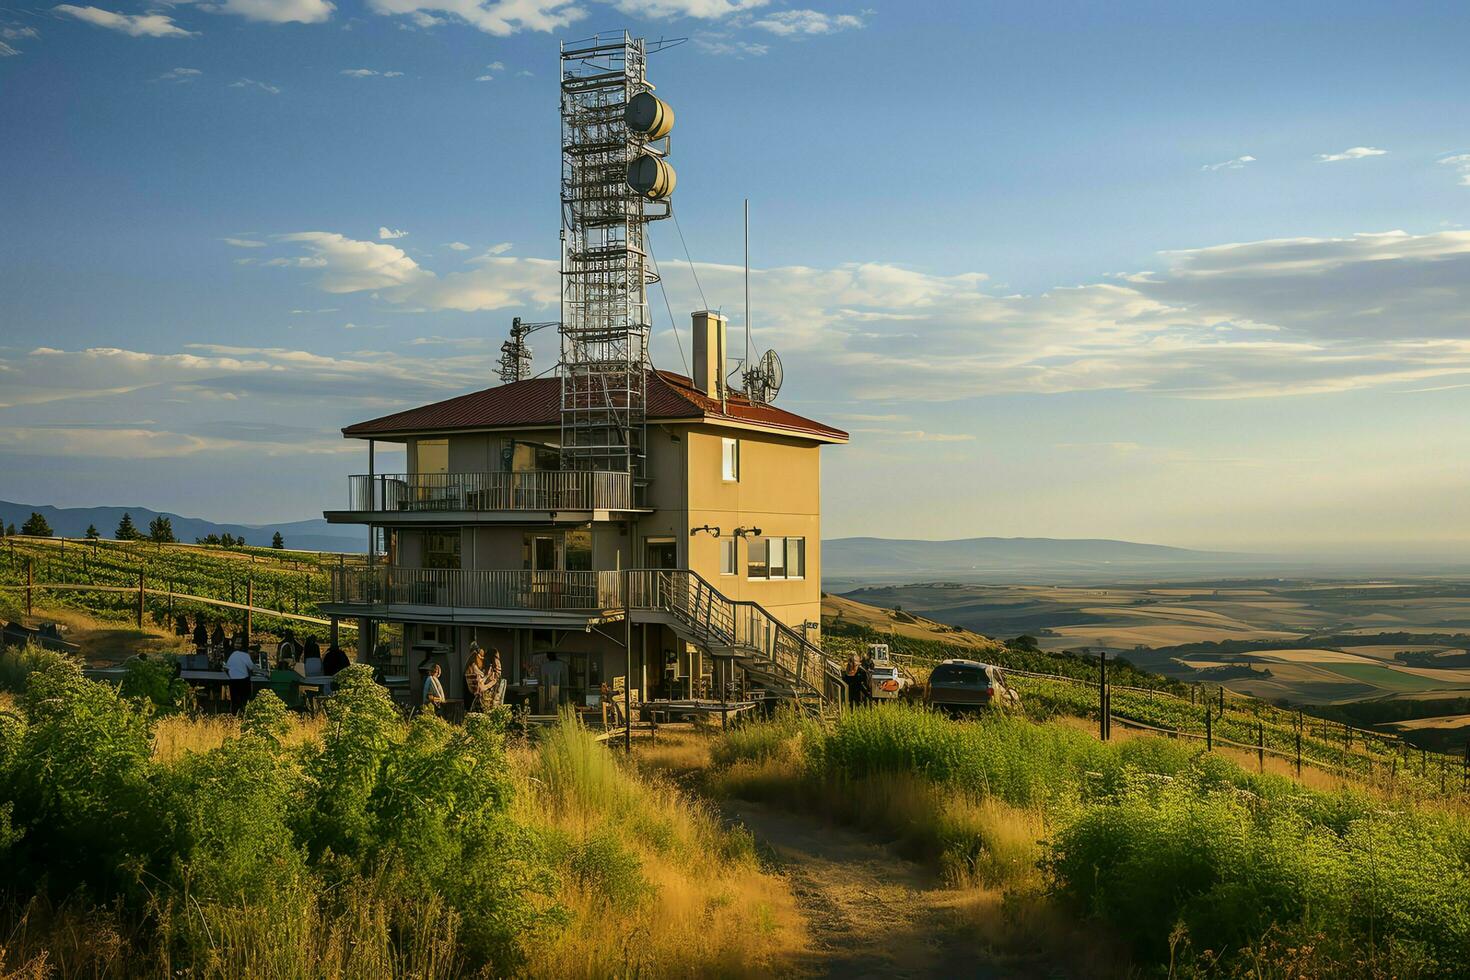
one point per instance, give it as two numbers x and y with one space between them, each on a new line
771 545
729 556
730 459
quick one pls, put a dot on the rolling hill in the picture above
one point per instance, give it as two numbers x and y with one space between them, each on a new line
71 522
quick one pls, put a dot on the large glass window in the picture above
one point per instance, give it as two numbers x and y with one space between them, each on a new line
730 454
579 550
755 558
441 548
776 558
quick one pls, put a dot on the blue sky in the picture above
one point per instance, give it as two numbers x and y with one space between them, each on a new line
1185 273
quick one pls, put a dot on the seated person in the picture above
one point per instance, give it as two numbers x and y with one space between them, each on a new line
286 683
334 661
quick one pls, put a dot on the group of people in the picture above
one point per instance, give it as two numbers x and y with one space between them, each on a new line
294 661
206 640
857 674
484 681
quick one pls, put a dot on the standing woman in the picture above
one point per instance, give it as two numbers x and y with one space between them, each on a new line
494 682
852 674
474 679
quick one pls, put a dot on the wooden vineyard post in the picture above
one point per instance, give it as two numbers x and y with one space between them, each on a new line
249 605
30 578
170 600
1261 746
1298 745
142 598
1209 730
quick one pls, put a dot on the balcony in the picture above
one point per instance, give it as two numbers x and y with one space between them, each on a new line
529 496
485 596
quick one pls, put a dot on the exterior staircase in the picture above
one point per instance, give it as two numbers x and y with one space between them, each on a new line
771 653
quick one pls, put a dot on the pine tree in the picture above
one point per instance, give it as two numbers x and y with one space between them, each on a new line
278 542
161 530
126 529
36 526
92 533
10 530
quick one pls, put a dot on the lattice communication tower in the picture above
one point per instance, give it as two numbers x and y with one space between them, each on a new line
615 178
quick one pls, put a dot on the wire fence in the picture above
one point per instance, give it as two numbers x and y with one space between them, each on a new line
1216 717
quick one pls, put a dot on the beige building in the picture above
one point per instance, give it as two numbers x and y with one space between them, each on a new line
708 563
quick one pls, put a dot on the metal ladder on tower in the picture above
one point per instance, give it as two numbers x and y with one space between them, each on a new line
771 653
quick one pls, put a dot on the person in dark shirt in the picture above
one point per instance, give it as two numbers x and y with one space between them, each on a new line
201 635
217 638
334 661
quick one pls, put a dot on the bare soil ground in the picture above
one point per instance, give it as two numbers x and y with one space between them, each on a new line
870 914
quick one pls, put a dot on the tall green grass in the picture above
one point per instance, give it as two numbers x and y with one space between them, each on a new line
1185 855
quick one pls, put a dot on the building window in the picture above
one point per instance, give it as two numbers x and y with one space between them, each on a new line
441 549
755 558
729 557
776 558
730 453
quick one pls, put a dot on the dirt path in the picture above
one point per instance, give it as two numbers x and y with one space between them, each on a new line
871 914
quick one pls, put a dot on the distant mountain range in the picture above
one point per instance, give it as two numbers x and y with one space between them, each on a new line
1009 559
71 522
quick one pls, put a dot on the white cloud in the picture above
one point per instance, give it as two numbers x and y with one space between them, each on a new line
1461 163
499 249
179 75
484 78
498 17
1352 153
6 51
703 9
358 72
718 46
496 66
392 74
524 73
457 246
276 11
349 266
133 25
243 242
22 33
793 23
1233 164
388 234
252 83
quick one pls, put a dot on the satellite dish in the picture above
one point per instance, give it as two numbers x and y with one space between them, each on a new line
763 382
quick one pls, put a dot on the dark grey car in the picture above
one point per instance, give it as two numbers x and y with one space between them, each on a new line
967 685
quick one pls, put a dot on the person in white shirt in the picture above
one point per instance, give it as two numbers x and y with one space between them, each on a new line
433 689
238 668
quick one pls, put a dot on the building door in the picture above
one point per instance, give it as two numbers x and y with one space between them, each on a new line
662 554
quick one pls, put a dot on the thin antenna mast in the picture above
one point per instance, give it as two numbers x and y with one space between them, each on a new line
746 363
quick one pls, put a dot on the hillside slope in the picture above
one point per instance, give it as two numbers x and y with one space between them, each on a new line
71 522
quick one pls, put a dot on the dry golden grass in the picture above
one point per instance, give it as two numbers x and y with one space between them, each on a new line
709 910
177 735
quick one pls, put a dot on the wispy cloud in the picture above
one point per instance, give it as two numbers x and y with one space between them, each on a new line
731 46
370 73
701 9
457 246
388 234
1461 163
1352 153
501 18
1233 164
275 11
243 242
133 25
796 23
252 83
179 75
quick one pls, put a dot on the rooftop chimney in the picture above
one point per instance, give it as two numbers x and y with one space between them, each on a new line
709 352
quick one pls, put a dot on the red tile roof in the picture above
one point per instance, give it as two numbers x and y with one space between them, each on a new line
537 403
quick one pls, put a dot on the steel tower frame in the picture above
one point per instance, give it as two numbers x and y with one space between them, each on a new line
604 257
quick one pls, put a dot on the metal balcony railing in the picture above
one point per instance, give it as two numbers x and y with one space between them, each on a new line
527 490
391 585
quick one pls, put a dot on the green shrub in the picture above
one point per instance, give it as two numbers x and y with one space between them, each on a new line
157 682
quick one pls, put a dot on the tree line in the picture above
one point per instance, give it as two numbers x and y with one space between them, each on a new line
160 531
